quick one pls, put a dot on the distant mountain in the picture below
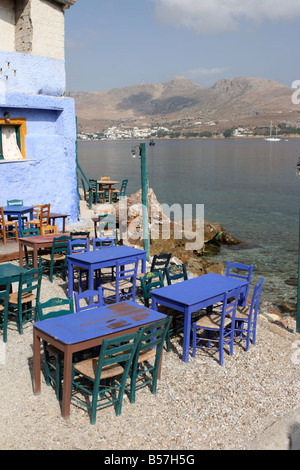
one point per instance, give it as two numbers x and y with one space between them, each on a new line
239 102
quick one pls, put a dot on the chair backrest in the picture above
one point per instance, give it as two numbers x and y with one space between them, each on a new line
30 232
118 350
103 242
243 272
30 281
75 235
149 282
123 188
175 273
61 245
15 202
86 300
36 211
160 262
105 178
44 214
48 229
153 336
255 301
107 225
229 305
53 308
79 245
2 219
93 184
126 270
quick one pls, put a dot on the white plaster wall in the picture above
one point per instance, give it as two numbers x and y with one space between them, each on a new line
48 29
7 25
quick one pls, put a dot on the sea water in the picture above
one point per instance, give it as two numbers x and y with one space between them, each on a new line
248 186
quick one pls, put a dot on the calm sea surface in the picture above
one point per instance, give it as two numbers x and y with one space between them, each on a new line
247 186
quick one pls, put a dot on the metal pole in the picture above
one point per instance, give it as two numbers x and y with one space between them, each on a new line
145 203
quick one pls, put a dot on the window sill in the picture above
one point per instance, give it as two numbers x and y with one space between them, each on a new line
17 161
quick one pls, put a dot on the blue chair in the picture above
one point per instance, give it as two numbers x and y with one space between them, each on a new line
124 286
107 226
216 330
76 246
88 297
240 271
53 308
246 317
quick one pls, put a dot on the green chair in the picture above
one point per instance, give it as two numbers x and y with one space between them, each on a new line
53 308
149 282
98 195
16 202
103 378
20 303
29 232
159 263
149 350
107 227
124 285
118 194
57 260
175 273
4 293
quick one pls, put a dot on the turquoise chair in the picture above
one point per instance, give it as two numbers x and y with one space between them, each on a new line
23 303
57 260
29 232
104 378
53 308
4 293
145 365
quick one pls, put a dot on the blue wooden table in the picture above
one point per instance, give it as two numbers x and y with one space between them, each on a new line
18 211
84 330
99 259
192 295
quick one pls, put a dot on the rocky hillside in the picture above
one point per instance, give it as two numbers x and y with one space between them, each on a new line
180 102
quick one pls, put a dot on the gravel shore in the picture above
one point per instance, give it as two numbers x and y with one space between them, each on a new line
199 406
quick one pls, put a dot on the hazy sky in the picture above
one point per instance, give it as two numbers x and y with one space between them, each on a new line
116 43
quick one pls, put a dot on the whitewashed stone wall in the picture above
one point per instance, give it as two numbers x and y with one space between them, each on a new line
7 25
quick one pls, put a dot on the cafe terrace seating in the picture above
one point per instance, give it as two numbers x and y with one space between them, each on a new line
23 303
8 229
246 318
214 330
55 307
106 374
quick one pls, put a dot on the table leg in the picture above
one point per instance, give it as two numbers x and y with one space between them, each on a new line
70 279
21 253
35 257
66 394
20 225
186 334
36 363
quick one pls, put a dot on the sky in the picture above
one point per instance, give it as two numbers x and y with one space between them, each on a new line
117 43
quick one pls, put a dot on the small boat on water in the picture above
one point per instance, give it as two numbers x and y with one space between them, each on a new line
272 139
151 142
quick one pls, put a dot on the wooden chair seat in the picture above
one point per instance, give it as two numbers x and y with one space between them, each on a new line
89 368
213 320
56 257
146 355
123 284
26 297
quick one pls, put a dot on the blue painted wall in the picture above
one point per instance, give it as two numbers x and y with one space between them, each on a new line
31 88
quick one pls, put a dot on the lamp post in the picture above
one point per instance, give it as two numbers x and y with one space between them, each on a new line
144 185
298 288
